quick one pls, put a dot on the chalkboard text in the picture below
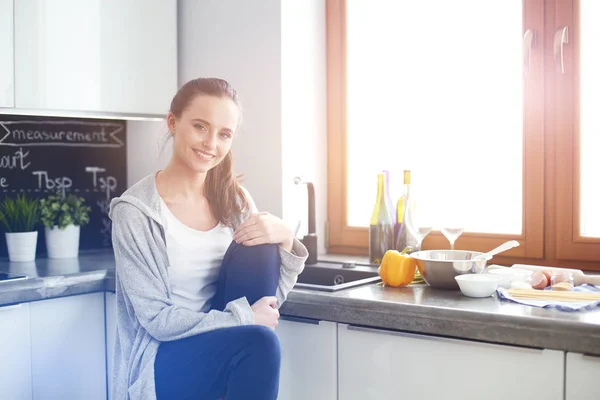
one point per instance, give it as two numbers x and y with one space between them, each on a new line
66 134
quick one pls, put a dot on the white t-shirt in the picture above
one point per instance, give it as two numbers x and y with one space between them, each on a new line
195 259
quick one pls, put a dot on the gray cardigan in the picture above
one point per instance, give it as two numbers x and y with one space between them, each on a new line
145 314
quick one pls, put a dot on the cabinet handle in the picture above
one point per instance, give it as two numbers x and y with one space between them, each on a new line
8 308
300 319
528 39
591 356
438 338
561 37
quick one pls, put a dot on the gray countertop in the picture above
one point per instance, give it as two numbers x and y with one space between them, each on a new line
417 308
91 272
422 309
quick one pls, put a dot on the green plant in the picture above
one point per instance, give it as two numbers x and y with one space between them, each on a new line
63 211
20 214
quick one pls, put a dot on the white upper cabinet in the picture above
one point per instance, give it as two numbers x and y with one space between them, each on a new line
6 54
116 56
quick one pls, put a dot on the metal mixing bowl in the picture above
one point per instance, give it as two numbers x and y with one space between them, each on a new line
441 266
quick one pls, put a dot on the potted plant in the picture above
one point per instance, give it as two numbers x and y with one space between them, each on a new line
63 217
19 217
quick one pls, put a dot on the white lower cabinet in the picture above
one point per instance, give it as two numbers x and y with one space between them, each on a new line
59 349
583 372
381 364
308 359
15 356
68 356
111 331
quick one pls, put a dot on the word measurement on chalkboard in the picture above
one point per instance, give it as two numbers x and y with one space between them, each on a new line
45 155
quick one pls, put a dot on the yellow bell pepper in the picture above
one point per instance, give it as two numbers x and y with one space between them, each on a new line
397 269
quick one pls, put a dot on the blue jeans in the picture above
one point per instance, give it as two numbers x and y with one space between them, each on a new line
239 362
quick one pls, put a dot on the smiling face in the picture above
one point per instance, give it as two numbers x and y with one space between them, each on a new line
203 134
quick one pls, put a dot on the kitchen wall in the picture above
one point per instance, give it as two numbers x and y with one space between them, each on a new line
304 107
147 148
240 41
273 53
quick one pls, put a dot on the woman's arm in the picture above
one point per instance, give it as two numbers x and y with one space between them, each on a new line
292 264
141 273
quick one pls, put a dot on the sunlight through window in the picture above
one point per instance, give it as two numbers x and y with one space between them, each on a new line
436 87
590 118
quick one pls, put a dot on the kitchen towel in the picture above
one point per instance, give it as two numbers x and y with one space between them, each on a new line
560 305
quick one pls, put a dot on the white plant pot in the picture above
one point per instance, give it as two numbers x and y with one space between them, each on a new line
21 246
62 243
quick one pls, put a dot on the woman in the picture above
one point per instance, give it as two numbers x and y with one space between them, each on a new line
200 274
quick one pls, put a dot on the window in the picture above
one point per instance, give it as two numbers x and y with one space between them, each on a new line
590 118
447 107
576 126
462 94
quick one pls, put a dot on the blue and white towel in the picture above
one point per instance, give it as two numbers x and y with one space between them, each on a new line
560 305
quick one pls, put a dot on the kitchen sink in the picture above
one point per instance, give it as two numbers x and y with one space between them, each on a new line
333 276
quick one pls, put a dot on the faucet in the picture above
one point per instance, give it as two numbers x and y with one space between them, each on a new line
310 239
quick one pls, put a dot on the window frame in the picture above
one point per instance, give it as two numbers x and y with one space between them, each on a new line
570 244
547 210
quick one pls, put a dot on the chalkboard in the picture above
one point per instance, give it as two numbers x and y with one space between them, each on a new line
44 155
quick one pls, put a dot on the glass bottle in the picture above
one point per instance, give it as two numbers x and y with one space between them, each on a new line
405 208
402 231
381 228
388 199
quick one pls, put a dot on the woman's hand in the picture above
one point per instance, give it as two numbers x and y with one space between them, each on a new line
262 228
265 313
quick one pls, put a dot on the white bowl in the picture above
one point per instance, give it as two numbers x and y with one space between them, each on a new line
510 275
478 285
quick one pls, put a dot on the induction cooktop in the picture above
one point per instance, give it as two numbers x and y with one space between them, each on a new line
8 277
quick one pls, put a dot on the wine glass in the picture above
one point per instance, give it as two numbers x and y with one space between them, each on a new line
420 234
417 227
452 233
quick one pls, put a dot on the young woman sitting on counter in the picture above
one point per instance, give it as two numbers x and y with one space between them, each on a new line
200 273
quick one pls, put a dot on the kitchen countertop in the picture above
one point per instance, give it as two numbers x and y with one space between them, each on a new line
422 309
417 308
92 272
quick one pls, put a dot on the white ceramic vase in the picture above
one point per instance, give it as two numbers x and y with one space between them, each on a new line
21 246
62 243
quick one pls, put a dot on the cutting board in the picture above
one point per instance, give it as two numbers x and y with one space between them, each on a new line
579 277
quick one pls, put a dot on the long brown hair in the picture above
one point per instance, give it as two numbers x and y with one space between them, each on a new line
221 188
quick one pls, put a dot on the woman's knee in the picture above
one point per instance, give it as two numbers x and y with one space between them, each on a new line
248 271
262 251
263 255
